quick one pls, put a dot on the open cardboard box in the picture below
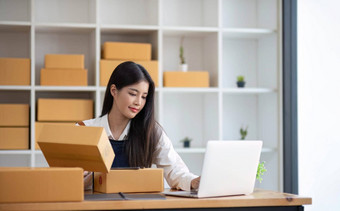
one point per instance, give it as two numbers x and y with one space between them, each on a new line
76 146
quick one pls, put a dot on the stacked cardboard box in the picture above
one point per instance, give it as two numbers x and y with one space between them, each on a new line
186 79
62 112
115 53
14 126
15 71
22 184
63 70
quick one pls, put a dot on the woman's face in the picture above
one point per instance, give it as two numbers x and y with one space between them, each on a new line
130 100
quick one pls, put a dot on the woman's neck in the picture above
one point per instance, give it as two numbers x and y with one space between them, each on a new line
117 123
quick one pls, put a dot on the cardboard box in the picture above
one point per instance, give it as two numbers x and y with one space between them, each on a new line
39 126
186 79
128 181
15 71
108 66
14 115
67 61
63 77
14 138
127 51
76 146
64 110
23 184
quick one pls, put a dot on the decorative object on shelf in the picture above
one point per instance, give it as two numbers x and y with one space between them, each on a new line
183 66
243 132
186 142
261 169
240 81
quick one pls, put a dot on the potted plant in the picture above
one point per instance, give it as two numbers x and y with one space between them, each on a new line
186 142
240 81
183 66
243 133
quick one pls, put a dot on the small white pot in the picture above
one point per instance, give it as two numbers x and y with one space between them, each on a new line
183 67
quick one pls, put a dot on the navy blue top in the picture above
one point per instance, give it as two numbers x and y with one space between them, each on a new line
121 159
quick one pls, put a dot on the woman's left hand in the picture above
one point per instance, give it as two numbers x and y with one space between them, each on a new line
195 183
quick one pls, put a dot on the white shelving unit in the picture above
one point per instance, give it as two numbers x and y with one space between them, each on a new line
225 37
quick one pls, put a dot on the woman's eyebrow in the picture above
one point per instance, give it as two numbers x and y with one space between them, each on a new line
136 90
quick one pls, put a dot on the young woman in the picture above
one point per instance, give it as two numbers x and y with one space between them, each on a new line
137 139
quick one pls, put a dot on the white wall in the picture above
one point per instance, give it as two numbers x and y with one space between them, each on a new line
319 102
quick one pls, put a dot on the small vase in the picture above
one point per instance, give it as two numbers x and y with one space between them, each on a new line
241 84
183 67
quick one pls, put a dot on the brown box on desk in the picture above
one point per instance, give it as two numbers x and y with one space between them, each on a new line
76 146
75 61
14 115
14 138
15 71
186 79
63 77
67 110
128 181
127 51
20 184
39 126
107 67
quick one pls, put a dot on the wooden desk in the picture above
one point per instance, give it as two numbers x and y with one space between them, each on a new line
259 200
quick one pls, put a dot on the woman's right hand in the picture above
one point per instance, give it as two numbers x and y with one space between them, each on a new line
195 183
87 180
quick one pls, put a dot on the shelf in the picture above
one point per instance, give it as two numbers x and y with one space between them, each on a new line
66 88
15 87
202 150
126 28
15 152
188 31
247 33
64 27
248 90
15 26
189 90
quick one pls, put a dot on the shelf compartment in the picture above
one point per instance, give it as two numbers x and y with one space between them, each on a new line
190 13
200 52
192 115
257 112
17 159
255 59
66 41
132 35
16 40
145 12
15 10
15 96
73 11
249 14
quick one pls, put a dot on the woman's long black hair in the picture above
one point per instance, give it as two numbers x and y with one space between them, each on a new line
144 132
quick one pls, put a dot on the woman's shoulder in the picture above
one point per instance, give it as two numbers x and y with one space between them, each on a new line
97 122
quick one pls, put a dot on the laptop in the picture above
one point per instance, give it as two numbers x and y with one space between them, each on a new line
229 168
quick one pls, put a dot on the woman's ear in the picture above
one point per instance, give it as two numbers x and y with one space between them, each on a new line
113 90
